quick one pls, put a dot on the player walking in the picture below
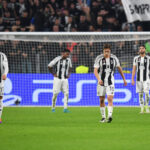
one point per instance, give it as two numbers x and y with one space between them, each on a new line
60 68
3 76
104 69
141 66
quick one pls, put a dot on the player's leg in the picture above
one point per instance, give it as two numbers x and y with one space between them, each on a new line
110 107
110 95
102 108
146 91
1 108
101 93
1 102
65 90
139 89
147 102
56 90
141 100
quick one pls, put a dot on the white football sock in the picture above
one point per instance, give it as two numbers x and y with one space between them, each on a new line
110 111
102 110
65 100
54 100
1 107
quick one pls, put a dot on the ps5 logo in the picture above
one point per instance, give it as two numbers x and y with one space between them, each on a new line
79 91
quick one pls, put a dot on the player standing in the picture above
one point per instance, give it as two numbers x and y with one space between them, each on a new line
3 76
141 66
104 69
60 68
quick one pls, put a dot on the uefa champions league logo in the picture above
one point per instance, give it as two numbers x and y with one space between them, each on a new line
8 98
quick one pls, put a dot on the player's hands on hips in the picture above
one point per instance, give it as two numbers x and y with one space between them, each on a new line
55 75
100 82
133 82
4 77
125 83
67 77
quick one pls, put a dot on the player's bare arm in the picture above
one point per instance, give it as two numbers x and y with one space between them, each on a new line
52 72
70 70
133 74
97 76
122 75
4 76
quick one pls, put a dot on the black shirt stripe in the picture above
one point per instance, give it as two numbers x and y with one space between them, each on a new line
66 65
138 72
145 69
111 67
104 67
60 69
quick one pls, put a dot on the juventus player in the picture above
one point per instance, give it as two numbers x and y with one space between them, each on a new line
104 69
141 66
3 76
60 68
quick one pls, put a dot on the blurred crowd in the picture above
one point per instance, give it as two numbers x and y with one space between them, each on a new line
34 57
66 16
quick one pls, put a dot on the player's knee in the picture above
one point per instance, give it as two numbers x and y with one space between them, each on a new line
66 94
102 101
140 96
55 94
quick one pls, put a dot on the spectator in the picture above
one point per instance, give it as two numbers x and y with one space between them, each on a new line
44 14
25 20
21 6
83 24
112 24
99 24
128 27
58 23
8 20
2 24
39 20
17 25
55 28
139 28
70 25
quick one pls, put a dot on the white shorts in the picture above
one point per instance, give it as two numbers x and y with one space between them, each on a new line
142 86
60 85
1 91
103 90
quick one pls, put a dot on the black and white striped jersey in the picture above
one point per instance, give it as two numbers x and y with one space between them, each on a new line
106 68
3 67
61 66
142 67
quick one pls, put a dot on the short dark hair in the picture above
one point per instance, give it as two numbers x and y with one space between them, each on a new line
107 46
65 50
142 46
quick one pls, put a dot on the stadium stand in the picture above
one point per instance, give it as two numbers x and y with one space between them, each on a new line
66 16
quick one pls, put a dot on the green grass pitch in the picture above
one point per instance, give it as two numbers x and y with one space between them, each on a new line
37 128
